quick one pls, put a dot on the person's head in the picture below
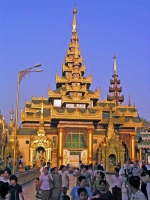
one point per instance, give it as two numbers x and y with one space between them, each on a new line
46 170
85 168
37 180
144 168
116 171
13 179
134 183
100 175
130 174
80 161
55 170
65 197
96 163
135 164
62 168
118 166
52 171
82 193
7 173
1 173
102 185
81 166
48 164
82 181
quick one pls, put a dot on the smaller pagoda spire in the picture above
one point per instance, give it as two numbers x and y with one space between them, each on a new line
110 130
115 89
74 23
129 102
115 65
11 117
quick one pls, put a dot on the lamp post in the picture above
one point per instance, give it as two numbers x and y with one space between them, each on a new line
21 75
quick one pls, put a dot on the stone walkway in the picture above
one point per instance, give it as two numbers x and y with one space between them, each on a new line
29 189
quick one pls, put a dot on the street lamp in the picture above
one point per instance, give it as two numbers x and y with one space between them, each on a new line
21 75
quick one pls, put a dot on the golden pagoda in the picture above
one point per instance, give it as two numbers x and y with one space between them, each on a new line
72 123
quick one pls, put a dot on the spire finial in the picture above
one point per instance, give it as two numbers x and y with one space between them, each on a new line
129 103
74 24
115 65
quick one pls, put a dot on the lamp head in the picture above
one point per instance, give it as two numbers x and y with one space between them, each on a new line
38 70
37 65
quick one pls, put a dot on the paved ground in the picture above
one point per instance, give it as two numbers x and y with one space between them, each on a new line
29 189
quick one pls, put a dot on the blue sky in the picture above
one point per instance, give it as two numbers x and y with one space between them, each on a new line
39 32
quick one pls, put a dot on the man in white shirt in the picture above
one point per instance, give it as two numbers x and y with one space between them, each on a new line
134 183
116 185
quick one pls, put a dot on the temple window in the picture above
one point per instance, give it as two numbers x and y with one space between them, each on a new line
75 140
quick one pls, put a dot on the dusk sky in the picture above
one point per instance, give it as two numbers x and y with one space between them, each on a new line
38 31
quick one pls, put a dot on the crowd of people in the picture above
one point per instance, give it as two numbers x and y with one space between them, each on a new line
91 183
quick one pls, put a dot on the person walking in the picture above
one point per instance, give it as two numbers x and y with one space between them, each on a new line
103 192
136 171
144 184
129 193
15 190
82 184
85 173
44 184
116 185
5 184
134 182
65 179
57 185
99 176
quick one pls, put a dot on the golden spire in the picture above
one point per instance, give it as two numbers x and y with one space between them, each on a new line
11 117
110 130
74 23
115 65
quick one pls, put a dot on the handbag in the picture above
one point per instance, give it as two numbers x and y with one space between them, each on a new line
38 194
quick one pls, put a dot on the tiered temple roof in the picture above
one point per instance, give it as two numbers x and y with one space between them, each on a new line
145 140
72 100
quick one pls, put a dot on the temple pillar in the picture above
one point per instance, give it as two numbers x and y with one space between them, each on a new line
46 155
132 147
146 156
107 162
49 155
137 156
90 146
60 147
99 157
140 154
2 151
31 156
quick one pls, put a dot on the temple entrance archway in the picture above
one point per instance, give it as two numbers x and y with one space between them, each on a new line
72 157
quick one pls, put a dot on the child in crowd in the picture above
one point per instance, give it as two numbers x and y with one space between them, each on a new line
65 197
82 194
15 189
37 188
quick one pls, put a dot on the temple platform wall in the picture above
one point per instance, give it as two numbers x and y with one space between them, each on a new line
25 177
24 149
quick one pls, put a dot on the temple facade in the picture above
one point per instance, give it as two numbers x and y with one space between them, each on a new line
73 124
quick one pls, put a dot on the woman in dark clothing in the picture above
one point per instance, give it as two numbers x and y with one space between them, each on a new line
103 192
144 185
